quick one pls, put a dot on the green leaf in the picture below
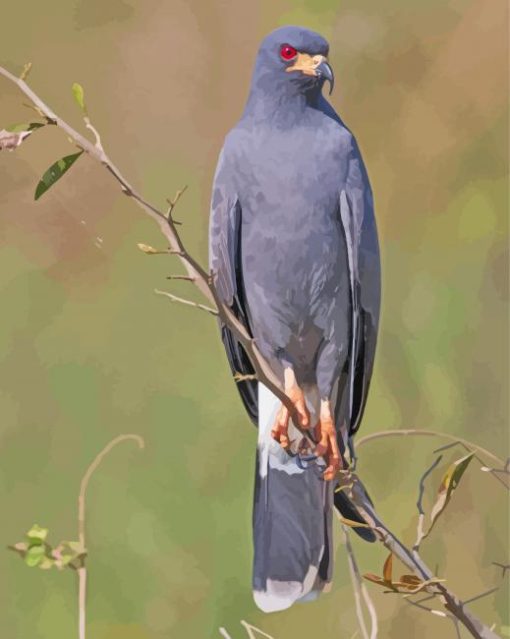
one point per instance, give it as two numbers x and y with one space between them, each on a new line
79 96
37 535
34 556
447 487
54 173
26 126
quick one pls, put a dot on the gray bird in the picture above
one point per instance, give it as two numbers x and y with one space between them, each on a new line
294 252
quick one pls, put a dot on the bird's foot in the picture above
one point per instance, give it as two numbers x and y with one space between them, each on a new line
280 430
327 445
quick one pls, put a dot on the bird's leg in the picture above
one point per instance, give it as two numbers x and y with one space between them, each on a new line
327 446
280 430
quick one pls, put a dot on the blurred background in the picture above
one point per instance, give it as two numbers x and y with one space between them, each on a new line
88 351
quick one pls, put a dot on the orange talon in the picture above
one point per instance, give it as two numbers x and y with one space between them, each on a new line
280 429
327 447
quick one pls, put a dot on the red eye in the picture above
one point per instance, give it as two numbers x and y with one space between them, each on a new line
287 52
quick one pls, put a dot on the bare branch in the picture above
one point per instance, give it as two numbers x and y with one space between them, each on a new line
82 571
181 300
413 561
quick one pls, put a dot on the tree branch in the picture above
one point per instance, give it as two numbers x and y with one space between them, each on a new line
413 561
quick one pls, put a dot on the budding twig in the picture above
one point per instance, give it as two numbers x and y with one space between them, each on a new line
181 300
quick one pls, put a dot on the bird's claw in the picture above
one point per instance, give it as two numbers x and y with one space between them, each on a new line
280 430
327 447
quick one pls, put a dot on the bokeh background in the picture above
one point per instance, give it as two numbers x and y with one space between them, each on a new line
88 350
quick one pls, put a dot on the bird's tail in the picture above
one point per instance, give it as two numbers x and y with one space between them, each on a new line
292 517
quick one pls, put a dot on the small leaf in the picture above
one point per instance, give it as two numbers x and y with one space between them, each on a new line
34 556
21 546
79 96
46 563
388 569
36 535
146 248
26 71
55 172
410 580
380 581
448 484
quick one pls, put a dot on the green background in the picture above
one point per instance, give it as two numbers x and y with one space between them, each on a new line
88 351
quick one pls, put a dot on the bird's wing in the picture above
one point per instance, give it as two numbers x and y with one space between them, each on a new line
358 221
225 262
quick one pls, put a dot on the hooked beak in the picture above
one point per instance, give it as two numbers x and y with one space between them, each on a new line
325 71
316 65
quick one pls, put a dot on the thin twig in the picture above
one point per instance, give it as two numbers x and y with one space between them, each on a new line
181 300
224 633
358 586
504 567
172 203
251 629
355 582
482 595
82 570
420 533
425 433
95 132
185 278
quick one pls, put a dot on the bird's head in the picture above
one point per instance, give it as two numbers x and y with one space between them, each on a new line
293 60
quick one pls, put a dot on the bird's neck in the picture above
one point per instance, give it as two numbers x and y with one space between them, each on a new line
280 108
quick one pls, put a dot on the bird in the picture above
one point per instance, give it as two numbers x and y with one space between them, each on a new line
294 254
